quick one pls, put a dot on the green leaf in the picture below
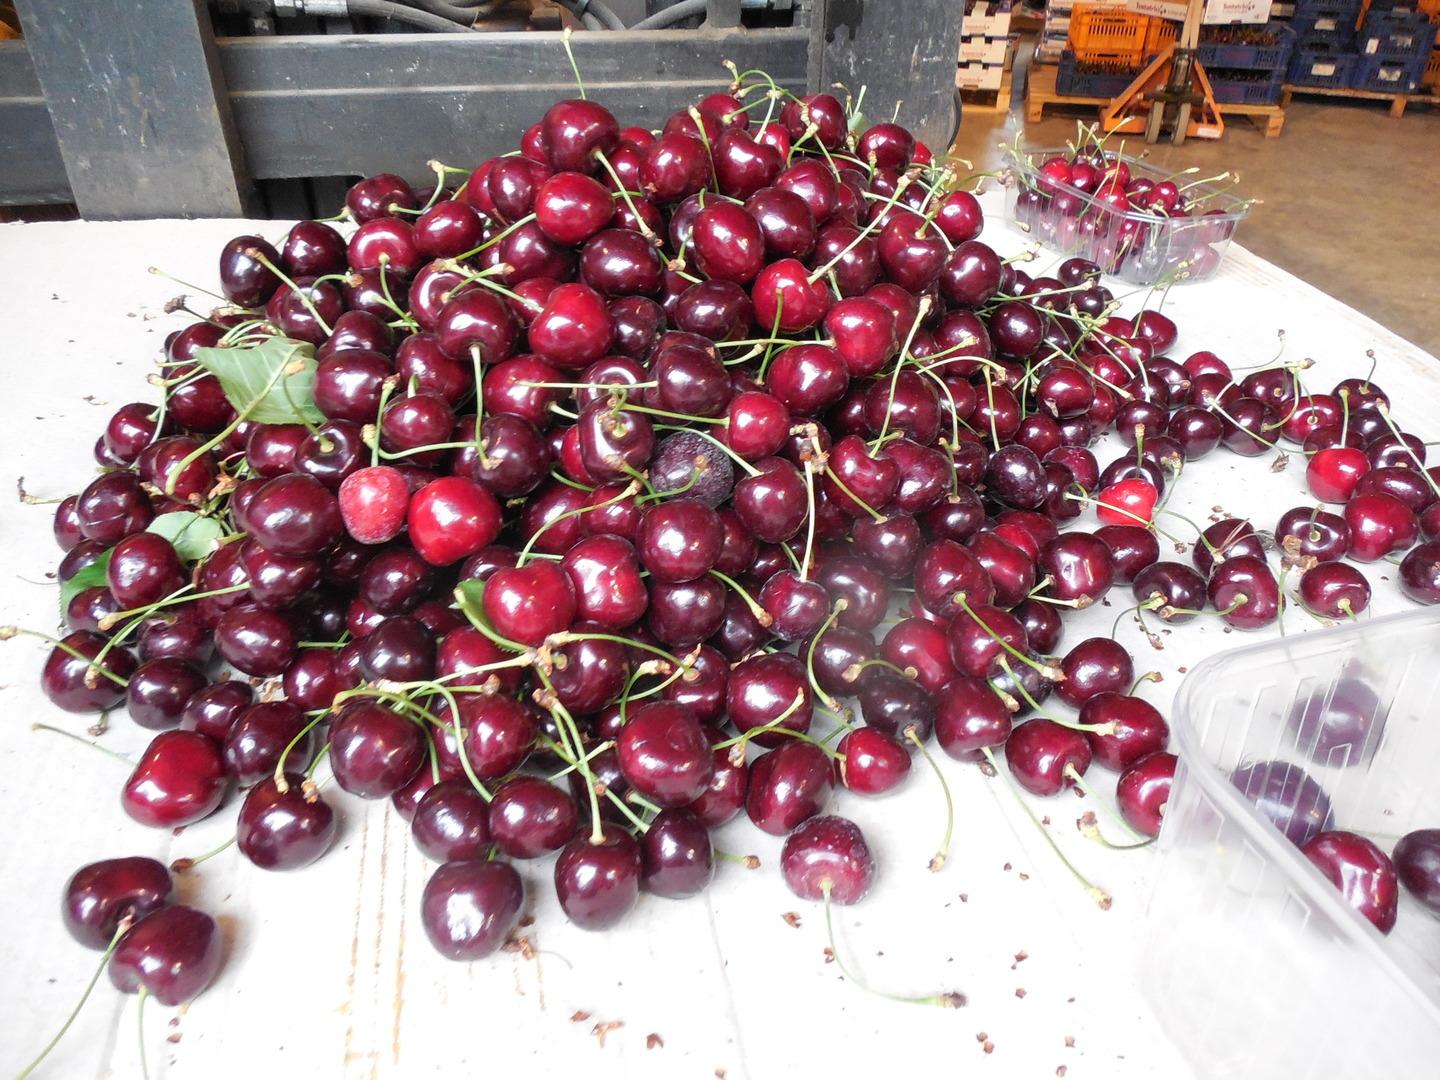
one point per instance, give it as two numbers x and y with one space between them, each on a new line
193 536
471 596
87 578
271 383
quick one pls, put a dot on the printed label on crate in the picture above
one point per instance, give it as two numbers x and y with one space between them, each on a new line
1323 71
1217 12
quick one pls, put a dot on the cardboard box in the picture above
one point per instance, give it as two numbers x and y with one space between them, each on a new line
985 50
1217 12
986 18
977 76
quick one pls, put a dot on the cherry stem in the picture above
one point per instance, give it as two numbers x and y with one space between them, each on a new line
629 407
1085 789
84 742
1099 895
182 595
141 998
1049 671
740 741
750 862
1384 411
477 619
763 617
852 672
633 488
8 632
570 55
1107 728
840 605
565 637
1149 676
751 469
950 1000
179 866
640 222
937 863
809 519
120 931
875 515
635 819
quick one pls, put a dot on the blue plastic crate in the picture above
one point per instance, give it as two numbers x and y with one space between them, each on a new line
1233 87
1396 35
1325 31
1320 67
1219 54
1099 84
1387 76
1305 9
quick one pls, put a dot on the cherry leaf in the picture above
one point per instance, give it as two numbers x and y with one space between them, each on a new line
87 577
192 535
270 383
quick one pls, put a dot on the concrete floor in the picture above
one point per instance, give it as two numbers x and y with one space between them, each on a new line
1350 198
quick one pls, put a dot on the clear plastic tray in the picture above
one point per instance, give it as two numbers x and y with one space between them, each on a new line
1136 246
1256 965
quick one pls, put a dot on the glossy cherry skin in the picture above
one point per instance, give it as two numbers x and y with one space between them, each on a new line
1041 753
470 906
970 717
374 751
1362 872
828 858
795 607
785 298
1420 573
898 706
98 896
1335 590
679 540
787 786
1246 591
763 688
598 883
1081 567
946 570
172 954
256 641
1311 532
451 519
180 778
112 507
1139 729
1417 863
871 762
1143 792
1095 666
664 753
244 277
605 574
284 830
159 691
1379 524
499 732
258 737
1229 538
451 821
677 857
529 603
214 709
294 515
64 676
1287 796
530 817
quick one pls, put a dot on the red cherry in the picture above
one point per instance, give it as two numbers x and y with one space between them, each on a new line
373 502
529 603
1333 473
452 518
1127 502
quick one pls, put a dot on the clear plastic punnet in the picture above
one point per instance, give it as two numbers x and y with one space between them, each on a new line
1138 246
1255 963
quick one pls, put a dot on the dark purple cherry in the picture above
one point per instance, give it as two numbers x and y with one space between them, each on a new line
598 882
1287 796
171 954
99 896
284 830
677 858
470 906
827 858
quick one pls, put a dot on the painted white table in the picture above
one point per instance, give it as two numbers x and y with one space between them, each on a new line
328 972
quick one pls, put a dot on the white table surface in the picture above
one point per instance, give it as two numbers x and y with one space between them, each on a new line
327 971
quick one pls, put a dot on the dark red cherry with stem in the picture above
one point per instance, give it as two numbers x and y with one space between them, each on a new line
452 821
313 680
571 207
808 378
1287 796
1379 524
1178 590
1042 756
897 705
871 762
701 688
260 735
499 732
785 221
664 753
827 858
1226 539
245 277
1138 728
159 690
284 830
1134 549
294 515
764 688
80 685
1097 665
839 659
788 785
677 859
1245 592
786 298
728 243
529 603
724 797
451 519
470 906
944 572
179 779
685 614
112 507
1417 864
1335 590
679 540
349 383
795 606
1420 573
978 636
255 640
448 229
171 955
374 751
891 545
574 132
598 881
1332 474
1079 566
99 896
605 574
1143 792
1312 533
1362 872
530 817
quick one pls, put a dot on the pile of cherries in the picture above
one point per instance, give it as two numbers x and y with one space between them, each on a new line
586 491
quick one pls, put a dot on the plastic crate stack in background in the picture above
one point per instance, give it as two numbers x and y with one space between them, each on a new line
984 44
1324 54
1055 36
1106 48
1246 65
1393 48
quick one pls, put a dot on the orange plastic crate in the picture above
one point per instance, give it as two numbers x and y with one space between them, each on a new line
1164 32
1432 72
1104 31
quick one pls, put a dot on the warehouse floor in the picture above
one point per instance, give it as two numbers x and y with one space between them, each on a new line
1348 196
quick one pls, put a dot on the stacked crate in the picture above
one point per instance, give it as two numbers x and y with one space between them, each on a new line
1384 46
984 44
1246 65
1324 53
1055 36
1106 48
1393 49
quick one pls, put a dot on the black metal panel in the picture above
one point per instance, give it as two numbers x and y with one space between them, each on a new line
142 122
903 52
328 106
33 170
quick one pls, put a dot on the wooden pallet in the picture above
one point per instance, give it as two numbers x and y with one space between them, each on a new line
1397 101
1040 93
988 101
